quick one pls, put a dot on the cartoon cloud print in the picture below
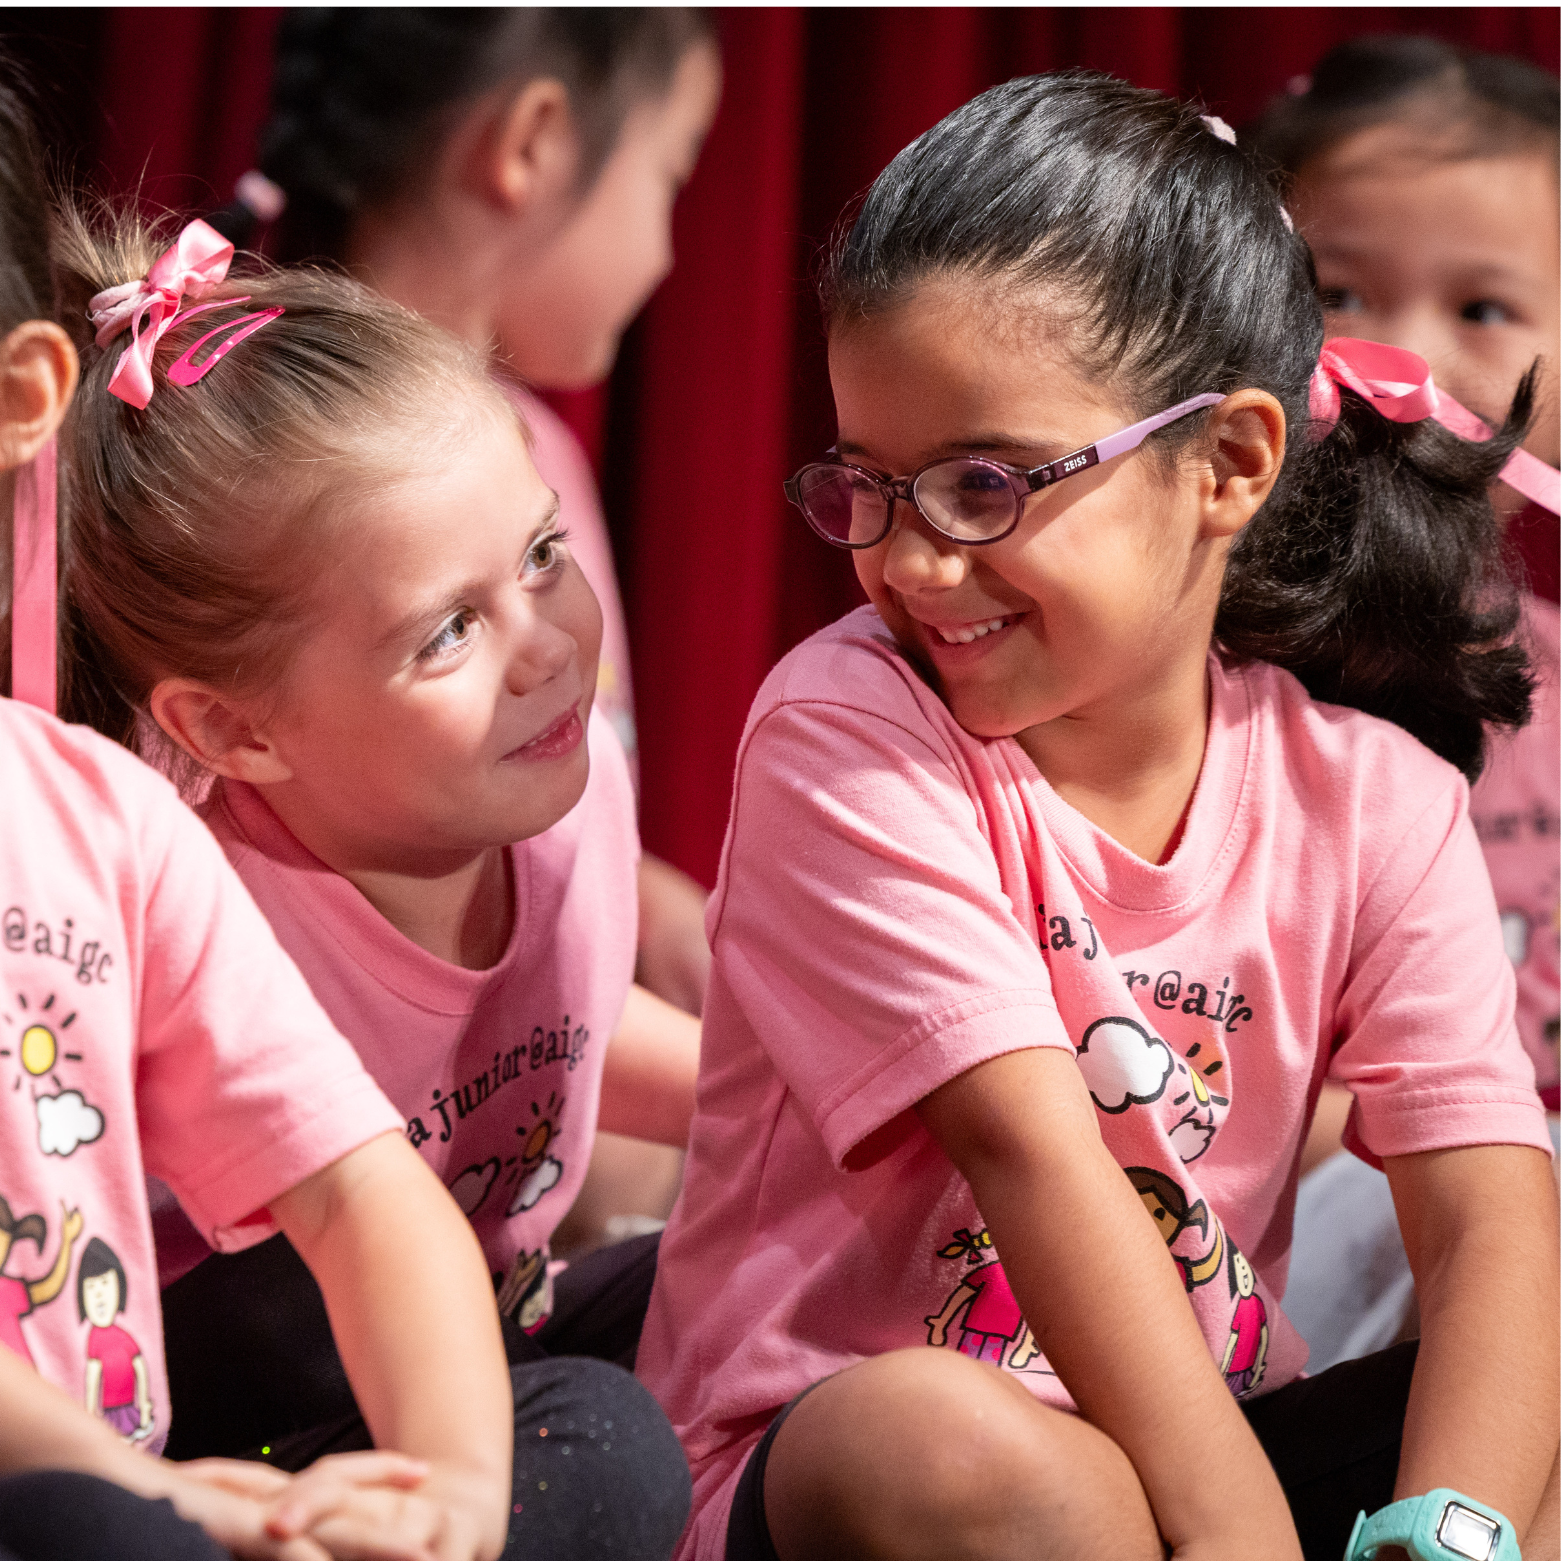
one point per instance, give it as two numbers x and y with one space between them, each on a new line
545 1176
66 1121
1123 1064
472 1186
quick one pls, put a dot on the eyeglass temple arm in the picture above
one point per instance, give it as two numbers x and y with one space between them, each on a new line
1118 443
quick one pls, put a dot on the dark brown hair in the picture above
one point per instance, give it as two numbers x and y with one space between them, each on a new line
363 97
1373 571
26 277
1469 104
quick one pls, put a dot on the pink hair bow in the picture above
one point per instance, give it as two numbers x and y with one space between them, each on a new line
197 262
1398 384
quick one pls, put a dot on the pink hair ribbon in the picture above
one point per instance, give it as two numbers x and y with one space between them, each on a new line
195 264
34 584
1398 384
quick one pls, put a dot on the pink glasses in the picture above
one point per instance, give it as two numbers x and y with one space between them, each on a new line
967 498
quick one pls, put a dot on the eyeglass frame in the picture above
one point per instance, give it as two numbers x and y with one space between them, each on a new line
1034 479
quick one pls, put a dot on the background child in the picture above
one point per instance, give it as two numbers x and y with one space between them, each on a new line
150 1022
510 174
329 572
1025 888
1421 176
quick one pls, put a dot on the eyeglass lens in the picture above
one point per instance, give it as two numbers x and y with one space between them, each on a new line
968 500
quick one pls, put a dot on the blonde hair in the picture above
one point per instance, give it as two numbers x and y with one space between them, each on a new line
195 528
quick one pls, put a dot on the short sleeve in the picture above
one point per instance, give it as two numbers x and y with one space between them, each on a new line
244 1087
861 923
1429 1047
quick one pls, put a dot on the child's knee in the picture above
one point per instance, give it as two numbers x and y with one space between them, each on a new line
596 1463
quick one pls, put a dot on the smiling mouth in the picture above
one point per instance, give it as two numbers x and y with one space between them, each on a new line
560 738
969 633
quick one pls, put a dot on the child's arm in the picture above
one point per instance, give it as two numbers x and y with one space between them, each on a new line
1103 1297
1479 1226
648 1078
40 1428
412 1311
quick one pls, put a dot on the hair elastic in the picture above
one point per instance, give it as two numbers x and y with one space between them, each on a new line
1397 383
196 263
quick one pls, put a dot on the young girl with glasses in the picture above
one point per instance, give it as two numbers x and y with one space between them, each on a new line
150 1023
310 556
1060 877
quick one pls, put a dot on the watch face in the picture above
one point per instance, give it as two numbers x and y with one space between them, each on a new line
1464 1532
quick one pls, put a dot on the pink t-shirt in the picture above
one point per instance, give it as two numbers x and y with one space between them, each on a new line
497 1072
899 901
116 1352
564 467
148 1023
1516 808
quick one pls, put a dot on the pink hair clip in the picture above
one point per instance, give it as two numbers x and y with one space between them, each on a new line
186 370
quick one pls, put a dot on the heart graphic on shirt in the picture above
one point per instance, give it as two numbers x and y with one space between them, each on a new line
1123 1064
473 1184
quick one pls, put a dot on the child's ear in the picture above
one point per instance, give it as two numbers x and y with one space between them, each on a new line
216 732
1247 431
38 370
529 153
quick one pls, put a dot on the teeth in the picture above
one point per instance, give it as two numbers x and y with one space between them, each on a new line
971 632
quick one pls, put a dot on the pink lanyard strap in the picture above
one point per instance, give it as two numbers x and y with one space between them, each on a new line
34 582
1398 384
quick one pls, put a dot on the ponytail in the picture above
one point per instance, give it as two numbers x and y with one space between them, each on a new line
1375 574
1374 570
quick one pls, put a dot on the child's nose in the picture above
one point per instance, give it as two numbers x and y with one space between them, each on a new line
918 558
540 653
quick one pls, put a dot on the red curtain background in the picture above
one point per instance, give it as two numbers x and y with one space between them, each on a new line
721 390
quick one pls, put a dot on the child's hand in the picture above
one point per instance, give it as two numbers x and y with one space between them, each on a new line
235 1517
359 1506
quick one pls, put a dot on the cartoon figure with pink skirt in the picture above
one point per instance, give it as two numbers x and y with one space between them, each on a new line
1247 1349
117 1389
992 1320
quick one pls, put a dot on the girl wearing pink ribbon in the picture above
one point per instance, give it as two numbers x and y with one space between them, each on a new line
1381 145
313 568
1061 877
150 1024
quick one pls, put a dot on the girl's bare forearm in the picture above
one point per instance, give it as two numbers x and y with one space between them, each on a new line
1104 1299
1480 1226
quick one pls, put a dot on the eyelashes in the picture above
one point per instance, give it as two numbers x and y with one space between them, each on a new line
547 555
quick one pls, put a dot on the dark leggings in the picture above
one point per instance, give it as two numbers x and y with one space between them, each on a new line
1333 1440
59 1515
253 1372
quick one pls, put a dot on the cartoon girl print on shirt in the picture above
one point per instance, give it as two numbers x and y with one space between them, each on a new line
117 1387
1201 1257
18 1297
1247 1349
992 1326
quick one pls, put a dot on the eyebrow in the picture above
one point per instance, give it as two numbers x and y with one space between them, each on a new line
982 444
419 619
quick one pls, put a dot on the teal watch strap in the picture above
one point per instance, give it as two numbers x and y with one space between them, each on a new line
1442 1525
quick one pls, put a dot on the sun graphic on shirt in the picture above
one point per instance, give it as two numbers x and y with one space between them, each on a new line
534 1171
541 1132
1200 1120
33 1037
